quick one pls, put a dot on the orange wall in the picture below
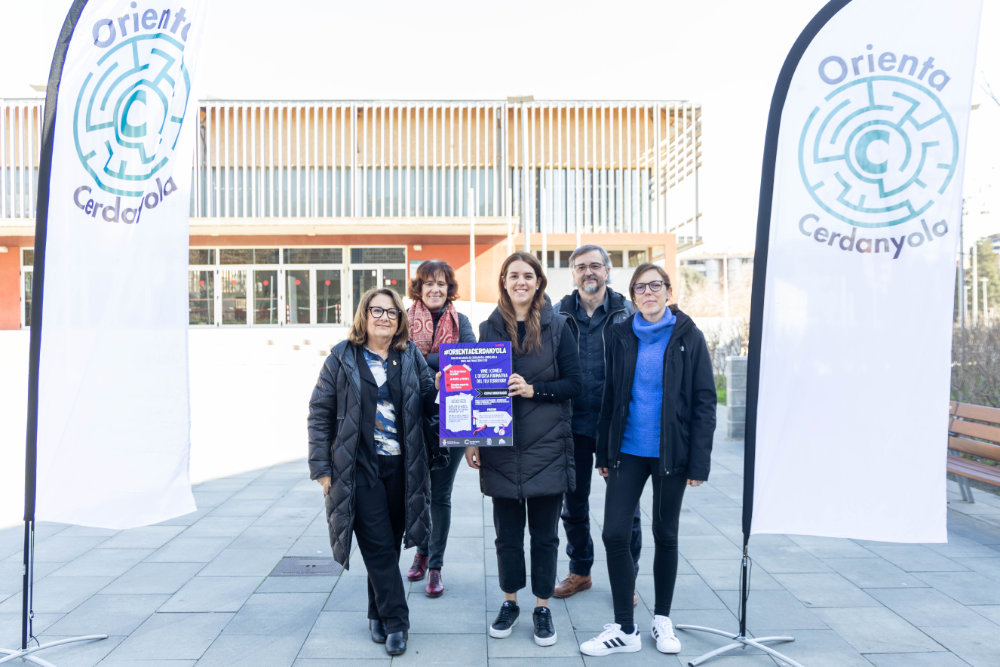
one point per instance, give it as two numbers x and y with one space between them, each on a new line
10 288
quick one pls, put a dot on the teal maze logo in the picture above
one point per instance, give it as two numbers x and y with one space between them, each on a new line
129 112
878 152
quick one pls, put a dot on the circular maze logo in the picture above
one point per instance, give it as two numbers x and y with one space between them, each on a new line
878 151
129 112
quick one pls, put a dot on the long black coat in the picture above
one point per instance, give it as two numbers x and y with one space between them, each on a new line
335 435
687 421
541 461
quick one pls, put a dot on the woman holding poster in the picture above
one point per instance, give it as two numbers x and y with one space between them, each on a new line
527 481
366 449
433 321
656 423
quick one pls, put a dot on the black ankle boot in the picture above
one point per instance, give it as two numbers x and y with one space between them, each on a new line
378 630
395 643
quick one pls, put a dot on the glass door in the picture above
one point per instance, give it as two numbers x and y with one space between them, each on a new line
362 281
297 308
201 297
265 296
233 286
328 298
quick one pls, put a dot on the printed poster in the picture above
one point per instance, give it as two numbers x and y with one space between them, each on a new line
475 408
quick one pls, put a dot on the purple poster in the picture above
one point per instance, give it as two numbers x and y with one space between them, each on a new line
475 408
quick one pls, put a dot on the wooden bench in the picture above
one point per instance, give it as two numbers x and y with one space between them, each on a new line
974 430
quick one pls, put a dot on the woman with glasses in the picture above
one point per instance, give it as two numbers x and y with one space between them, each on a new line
656 423
527 480
366 449
433 321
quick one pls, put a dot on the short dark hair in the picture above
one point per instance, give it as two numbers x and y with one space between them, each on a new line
428 270
588 248
641 269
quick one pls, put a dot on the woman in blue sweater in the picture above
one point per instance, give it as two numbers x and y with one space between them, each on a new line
657 422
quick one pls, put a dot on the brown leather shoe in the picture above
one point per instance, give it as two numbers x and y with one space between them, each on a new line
418 569
573 583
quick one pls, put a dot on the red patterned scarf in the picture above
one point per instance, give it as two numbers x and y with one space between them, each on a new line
422 331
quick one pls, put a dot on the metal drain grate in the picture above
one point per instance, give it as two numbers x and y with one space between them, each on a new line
298 567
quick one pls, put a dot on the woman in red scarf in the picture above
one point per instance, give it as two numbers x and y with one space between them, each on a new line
434 320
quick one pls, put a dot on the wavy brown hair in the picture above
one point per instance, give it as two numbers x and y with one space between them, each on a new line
533 321
358 335
430 270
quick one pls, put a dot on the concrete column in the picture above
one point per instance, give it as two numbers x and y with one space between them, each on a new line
736 396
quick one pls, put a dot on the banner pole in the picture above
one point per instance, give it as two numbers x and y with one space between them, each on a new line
740 639
34 348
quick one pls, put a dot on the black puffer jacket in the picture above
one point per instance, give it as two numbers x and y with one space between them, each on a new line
541 461
689 399
335 435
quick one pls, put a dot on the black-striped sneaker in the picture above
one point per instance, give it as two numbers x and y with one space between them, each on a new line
612 640
545 633
505 620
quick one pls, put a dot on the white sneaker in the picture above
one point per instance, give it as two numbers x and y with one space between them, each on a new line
663 633
612 640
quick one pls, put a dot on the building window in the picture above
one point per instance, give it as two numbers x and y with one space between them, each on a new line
378 255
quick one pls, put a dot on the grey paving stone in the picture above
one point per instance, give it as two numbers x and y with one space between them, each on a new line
915 558
10 626
147 537
219 526
972 644
830 547
877 630
212 594
873 572
343 634
725 575
554 662
238 507
819 648
172 637
190 550
63 549
234 562
108 615
927 606
349 594
112 662
103 562
268 537
790 558
312 546
341 662
966 587
937 659
277 614
303 584
825 589
153 578
57 594
446 648
990 612
774 612
251 651
690 592
706 546
987 566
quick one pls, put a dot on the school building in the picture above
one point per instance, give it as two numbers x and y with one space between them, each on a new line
298 207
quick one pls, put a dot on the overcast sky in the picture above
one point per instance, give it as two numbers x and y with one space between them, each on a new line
724 54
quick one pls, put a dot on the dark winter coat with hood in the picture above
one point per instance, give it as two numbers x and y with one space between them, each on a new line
687 420
541 461
335 423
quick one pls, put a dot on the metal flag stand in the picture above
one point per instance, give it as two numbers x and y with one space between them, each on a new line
740 640
37 293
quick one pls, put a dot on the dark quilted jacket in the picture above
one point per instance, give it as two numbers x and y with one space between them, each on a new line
334 437
541 461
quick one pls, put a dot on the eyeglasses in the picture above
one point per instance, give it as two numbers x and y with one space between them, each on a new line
377 312
593 266
653 285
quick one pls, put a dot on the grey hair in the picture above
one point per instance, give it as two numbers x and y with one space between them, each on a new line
587 248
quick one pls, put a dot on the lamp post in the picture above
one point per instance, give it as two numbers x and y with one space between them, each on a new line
986 303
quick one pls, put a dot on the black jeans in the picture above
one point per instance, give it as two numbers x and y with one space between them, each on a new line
543 527
379 514
576 513
442 482
625 485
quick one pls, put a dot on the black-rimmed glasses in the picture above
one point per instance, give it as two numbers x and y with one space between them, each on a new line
377 312
653 285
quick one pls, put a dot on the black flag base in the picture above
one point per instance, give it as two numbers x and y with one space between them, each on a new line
740 639
26 654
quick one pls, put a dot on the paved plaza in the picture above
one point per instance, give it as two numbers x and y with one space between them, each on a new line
219 586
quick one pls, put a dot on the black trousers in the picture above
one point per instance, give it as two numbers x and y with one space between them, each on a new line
442 482
625 485
379 514
543 526
576 513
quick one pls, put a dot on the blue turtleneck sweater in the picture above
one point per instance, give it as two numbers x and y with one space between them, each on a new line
642 431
